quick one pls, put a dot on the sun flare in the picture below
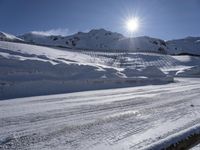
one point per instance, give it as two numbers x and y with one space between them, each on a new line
132 25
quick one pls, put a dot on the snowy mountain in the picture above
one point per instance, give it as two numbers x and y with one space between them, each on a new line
95 39
99 40
40 39
8 37
103 40
189 45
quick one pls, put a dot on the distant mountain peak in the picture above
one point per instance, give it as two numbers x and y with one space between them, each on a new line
100 39
9 37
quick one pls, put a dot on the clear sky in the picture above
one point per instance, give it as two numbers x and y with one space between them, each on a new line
166 19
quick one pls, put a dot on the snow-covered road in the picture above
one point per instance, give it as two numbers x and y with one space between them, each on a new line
126 118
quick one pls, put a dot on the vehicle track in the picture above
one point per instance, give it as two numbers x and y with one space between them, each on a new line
127 118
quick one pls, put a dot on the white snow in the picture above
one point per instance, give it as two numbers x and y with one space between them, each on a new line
51 53
128 118
52 70
143 117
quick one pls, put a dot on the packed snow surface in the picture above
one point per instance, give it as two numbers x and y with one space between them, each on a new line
127 118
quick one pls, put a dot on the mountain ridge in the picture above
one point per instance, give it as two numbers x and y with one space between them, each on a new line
103 40
99 39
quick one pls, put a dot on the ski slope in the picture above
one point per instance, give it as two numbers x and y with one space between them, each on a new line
42 70
100 60
126 118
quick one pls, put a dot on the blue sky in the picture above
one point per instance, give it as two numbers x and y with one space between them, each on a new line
166 19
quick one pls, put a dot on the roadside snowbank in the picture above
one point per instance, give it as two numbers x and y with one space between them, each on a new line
45 87
19 78
175 138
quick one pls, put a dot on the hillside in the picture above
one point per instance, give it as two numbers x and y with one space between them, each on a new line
45 70
189 45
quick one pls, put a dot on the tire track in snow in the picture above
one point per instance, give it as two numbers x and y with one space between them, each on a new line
90 123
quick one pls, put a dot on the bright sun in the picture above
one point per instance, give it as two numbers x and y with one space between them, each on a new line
132 24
